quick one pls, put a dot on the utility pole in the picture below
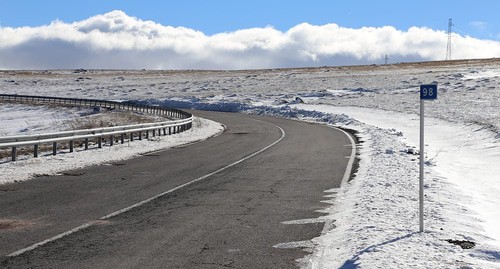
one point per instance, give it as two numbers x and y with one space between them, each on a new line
448 46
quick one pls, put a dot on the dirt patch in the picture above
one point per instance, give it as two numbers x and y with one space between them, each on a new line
465 244
8 224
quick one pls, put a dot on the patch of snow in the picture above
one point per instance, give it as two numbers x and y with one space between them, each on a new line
482 74
24 119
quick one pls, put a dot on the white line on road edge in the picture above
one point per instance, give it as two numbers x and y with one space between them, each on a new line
347 174
116 213
348 170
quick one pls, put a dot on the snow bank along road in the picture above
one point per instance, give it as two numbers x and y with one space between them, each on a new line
245 216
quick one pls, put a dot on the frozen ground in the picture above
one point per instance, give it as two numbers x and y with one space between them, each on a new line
374 219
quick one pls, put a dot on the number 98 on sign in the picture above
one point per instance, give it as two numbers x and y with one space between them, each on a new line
428 92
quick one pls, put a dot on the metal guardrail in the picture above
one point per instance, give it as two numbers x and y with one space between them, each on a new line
183 123
169 112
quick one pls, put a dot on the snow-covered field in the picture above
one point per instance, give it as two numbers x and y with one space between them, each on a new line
18 119
23 119
374 218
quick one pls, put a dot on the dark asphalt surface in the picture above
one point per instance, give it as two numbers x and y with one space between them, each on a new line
230 219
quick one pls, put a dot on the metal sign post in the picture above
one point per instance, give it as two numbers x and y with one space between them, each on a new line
427 92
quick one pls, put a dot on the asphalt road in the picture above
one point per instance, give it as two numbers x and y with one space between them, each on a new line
233 218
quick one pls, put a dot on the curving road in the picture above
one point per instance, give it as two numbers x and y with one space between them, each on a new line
224 202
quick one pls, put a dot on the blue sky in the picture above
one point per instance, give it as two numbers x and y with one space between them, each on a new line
118 34
475 18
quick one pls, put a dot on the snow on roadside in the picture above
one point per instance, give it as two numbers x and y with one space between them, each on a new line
376 216
25 169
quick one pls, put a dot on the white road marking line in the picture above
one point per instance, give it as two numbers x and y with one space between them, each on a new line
116 213
329 223
44 242
350 163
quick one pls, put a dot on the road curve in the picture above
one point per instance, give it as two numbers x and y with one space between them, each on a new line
232 218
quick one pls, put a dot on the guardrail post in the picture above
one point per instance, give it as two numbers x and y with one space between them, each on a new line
153 132
164 131
35 151
99 142
140 135
122 138
131 137
111 140
71 144
54 148
147 134
14 153
159 132
169 130
86 143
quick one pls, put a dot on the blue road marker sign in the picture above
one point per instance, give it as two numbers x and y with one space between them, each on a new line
428 92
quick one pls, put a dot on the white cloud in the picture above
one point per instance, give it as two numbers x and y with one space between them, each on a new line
116 40
481 25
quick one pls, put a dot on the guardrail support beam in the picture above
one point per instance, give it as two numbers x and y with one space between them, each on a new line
71 144
35 150
14 154
54 148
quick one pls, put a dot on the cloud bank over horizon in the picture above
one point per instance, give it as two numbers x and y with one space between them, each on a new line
117 41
